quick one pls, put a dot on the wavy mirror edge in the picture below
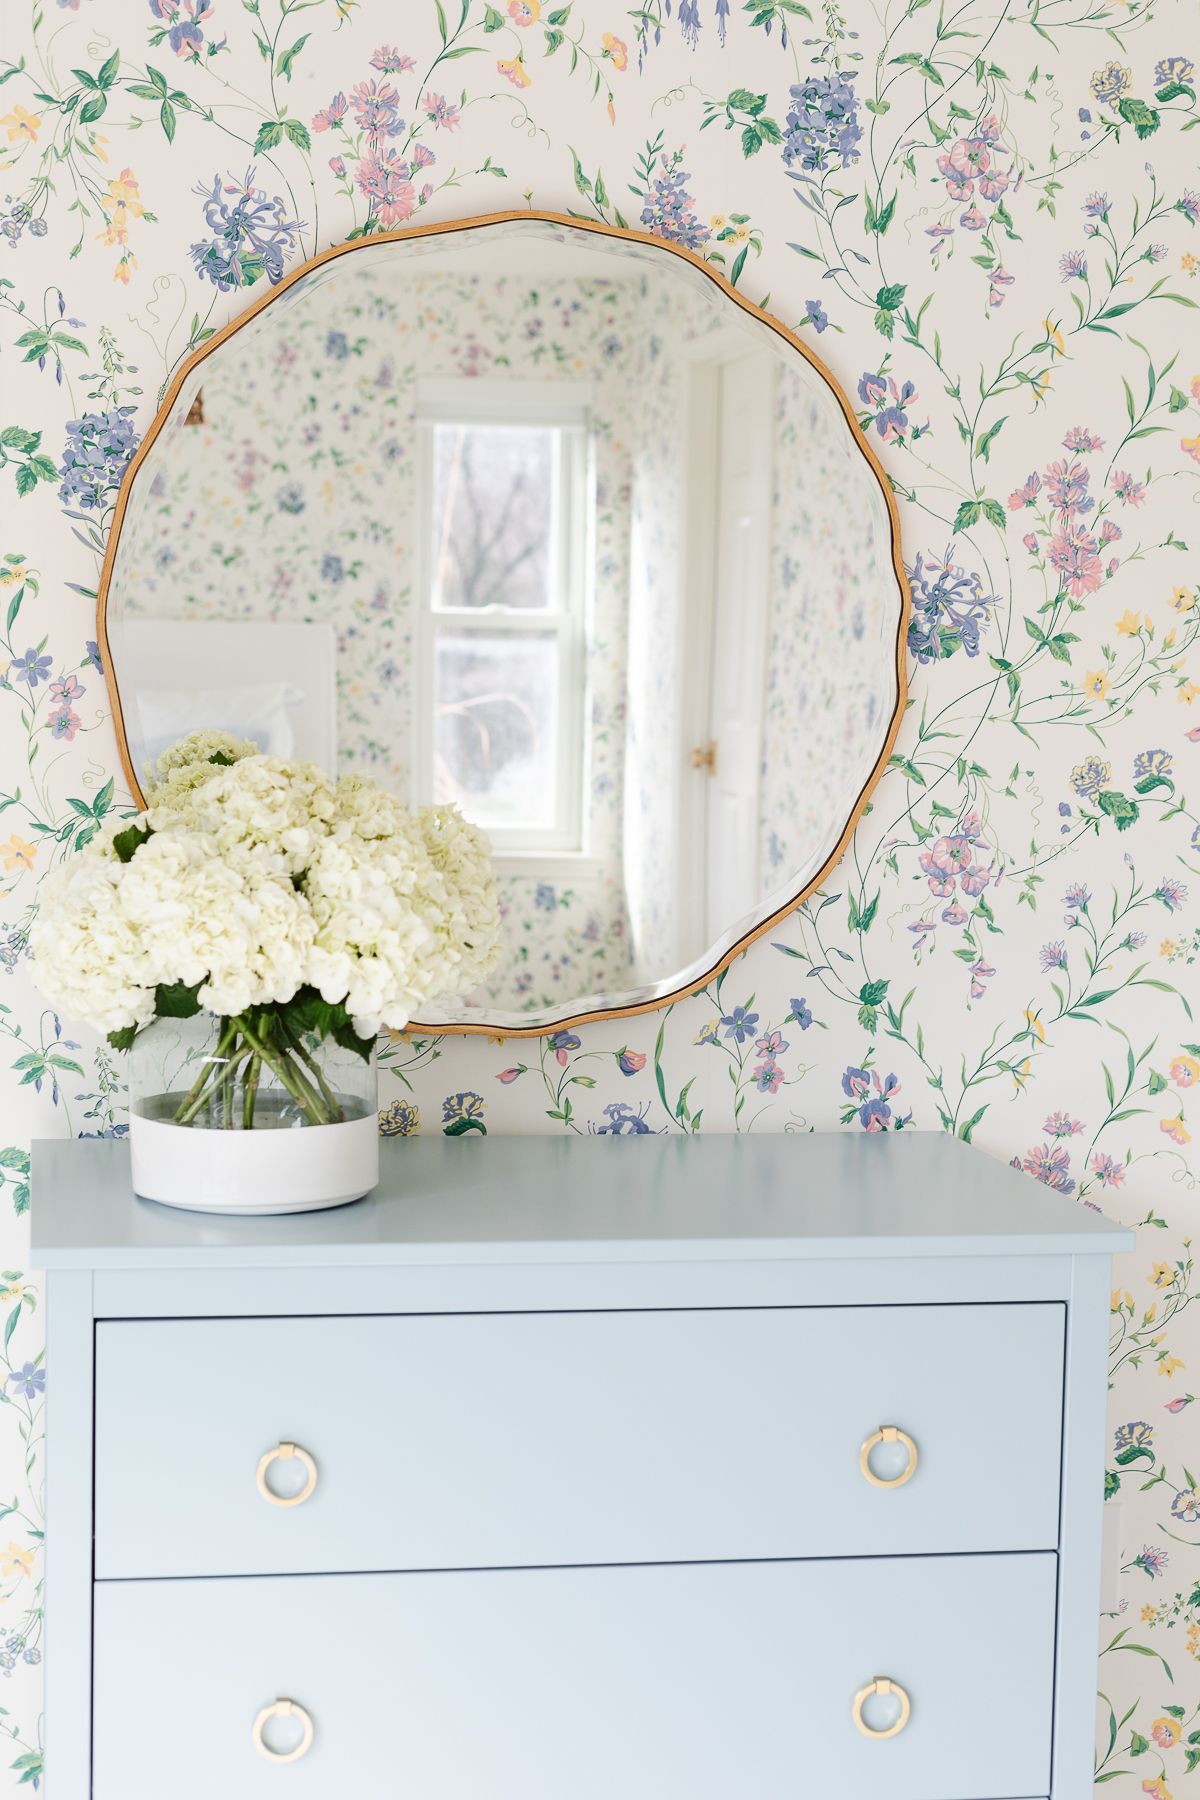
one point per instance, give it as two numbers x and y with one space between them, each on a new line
476 1021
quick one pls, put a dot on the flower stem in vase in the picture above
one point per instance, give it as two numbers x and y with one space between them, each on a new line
250 1090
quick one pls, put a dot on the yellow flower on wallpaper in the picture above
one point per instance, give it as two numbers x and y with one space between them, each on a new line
524 12
515 70
1096 683
1185 1070
1182 598
17 854
1162 1276
11 573
1055 337
22 125
1120 1297
1188 691
1130 623
1169 1365
1165 1732
15 1562
1157 1788
1176 1129
615 49
1192 446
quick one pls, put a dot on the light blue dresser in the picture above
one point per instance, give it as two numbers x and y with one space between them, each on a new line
589 1469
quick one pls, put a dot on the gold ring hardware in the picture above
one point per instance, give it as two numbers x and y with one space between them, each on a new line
881 1685
285 1452
283 1709
888 1434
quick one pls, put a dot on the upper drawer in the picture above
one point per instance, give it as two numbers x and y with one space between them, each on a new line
507 1439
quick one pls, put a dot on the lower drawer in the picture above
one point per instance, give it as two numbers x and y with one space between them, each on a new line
663 1682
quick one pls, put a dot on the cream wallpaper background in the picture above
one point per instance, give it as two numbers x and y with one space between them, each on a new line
986 215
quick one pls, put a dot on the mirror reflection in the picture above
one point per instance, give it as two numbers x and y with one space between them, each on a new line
543 523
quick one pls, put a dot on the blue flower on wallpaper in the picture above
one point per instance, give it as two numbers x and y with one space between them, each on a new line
669 210
97 453
801 1013
740 1024
949 607
29 1380
623 1121
823 131
31 668
251 233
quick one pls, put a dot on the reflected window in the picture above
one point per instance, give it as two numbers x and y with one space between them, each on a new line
506 520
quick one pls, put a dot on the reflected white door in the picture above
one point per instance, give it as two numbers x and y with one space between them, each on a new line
745 415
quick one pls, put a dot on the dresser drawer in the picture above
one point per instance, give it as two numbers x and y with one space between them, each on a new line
662 1683
500 1439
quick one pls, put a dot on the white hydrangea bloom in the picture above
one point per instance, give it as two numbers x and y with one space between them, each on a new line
260 877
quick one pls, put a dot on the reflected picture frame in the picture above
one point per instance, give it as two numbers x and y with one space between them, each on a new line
592 1009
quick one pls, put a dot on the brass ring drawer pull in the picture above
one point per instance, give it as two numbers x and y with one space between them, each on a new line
882 1686
283 1709
285 1452
888 1434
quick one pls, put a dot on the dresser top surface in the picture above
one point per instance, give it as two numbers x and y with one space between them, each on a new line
475 1200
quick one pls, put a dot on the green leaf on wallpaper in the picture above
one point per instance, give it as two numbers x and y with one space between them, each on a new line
878 222
1119 808
297 133
92 109
1149 783
287 61
983 446
14 607
879 107
166 118
1156 1083
862 921
26 480
971 511
1173 91
581 180
1137 1743
1143 118
270 133
108 70
492 20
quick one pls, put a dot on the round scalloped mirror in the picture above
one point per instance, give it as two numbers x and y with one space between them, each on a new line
544 518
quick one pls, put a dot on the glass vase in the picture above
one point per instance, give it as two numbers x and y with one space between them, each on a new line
236 1115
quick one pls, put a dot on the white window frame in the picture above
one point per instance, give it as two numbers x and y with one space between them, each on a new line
566 408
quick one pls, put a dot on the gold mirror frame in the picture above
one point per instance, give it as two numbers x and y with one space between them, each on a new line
587 1015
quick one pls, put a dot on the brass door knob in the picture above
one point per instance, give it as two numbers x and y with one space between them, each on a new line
883 1687
283 1709
285 1453
888 1434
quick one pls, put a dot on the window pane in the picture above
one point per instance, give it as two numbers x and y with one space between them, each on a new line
496 727
493 515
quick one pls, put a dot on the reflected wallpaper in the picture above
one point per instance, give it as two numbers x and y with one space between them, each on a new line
985 218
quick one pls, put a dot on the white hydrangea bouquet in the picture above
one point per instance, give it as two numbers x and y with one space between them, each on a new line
294 908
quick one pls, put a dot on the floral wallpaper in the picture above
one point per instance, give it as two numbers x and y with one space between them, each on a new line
985 217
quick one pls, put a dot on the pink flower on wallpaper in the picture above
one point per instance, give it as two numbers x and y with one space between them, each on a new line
1074 555
384 179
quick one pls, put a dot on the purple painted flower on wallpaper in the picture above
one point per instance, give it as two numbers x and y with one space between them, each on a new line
332 115
1138 1434
1075 554
1077 897
823 131
949 607
1081 441
31 668
1088 778
63 724
444 114
981 972
377 109
1152 1560
668 210
184 21
1128 491
623 1121
630 1062
462 1113
1172 893
251 233
815 315
801 1013
1073 266
872 1100
390 61
1149 763
545 897
29 1380
1108 1172
1067 487
889 403
1189 205
385 178
562 1043
768 1077
740 1024
1174 69
1051 1165
1061 1124
399 1119
1053 956
95 457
